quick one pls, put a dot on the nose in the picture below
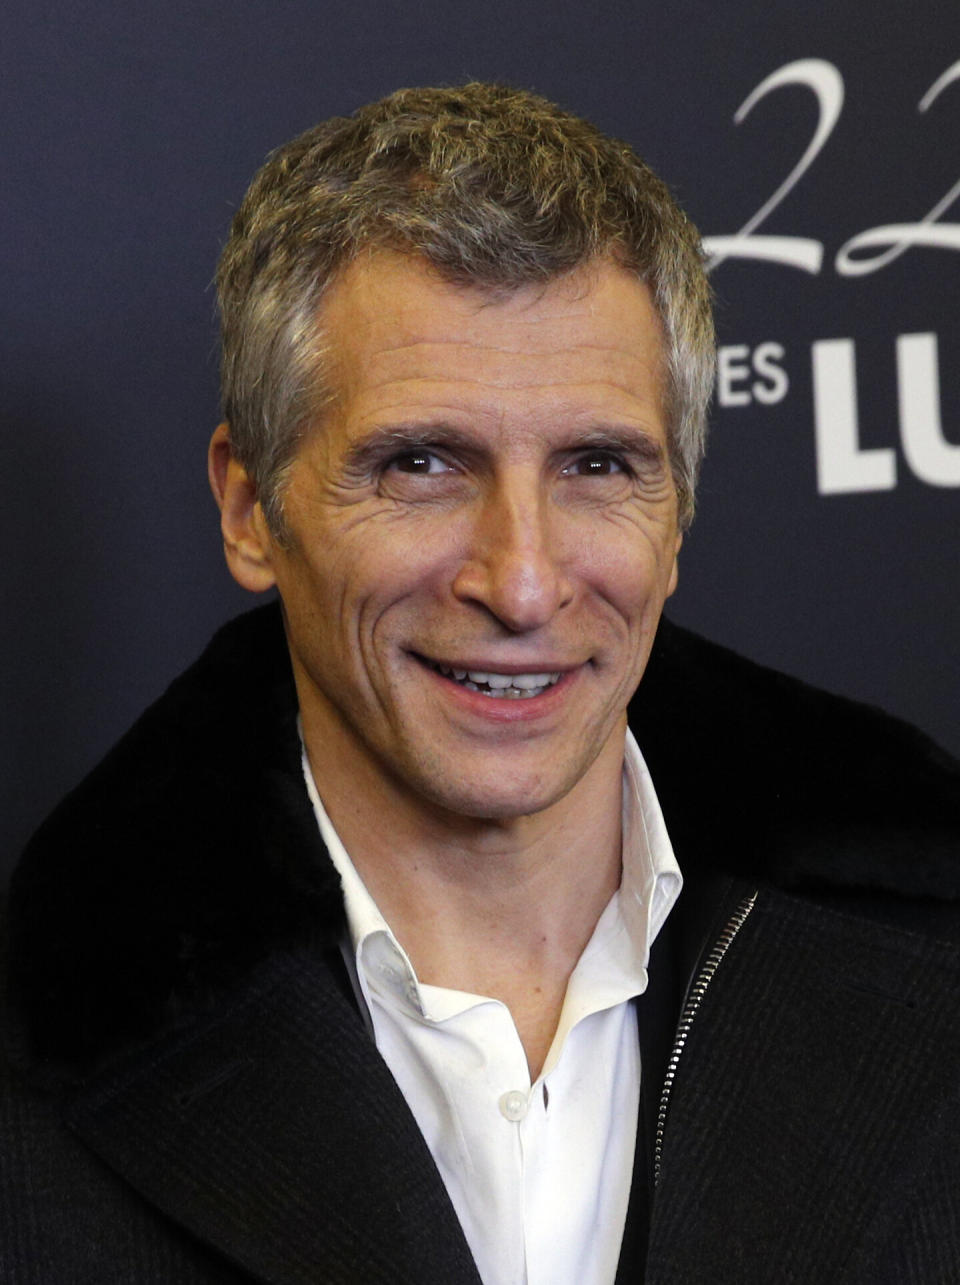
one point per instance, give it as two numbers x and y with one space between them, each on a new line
514 565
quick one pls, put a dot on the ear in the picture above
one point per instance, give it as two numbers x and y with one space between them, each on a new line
247 544
674 570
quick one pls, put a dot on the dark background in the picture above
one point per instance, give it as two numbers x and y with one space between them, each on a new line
129 135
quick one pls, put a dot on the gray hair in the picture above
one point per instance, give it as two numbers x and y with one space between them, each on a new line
496 188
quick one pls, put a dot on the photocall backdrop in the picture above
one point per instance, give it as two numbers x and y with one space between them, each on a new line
815 145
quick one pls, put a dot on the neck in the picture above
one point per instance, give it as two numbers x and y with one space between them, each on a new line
500 907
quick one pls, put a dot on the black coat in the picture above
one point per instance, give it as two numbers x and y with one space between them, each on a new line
191 1095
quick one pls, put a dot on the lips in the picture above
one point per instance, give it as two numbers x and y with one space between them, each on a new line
498 685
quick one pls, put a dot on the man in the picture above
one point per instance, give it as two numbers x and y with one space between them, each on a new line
364 956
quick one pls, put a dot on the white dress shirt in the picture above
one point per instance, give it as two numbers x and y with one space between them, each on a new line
539 1174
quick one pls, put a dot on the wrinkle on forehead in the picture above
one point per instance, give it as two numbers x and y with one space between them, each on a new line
391 317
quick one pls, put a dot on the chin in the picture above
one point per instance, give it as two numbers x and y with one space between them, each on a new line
502 801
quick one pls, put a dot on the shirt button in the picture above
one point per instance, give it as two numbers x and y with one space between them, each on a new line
513 1105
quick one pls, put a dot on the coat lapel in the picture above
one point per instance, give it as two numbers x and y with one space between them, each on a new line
240 1126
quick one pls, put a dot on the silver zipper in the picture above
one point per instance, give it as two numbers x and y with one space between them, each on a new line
694 1000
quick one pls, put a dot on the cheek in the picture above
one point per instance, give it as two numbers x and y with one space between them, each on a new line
629 569
380 594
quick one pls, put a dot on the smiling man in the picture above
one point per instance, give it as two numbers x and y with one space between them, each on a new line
367 956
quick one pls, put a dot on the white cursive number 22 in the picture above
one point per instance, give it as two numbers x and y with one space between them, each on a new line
888 241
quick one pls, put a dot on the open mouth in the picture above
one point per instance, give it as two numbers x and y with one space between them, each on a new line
500 686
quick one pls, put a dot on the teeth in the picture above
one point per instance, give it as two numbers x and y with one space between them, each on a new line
524 681
492 680
509 686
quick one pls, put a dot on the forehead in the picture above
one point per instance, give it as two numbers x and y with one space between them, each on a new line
401 337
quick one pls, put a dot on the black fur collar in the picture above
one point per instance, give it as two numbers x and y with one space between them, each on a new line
191 852
776 780
188 854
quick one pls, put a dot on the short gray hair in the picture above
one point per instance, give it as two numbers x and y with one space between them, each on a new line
495 187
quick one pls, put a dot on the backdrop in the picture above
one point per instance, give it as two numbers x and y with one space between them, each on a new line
815 145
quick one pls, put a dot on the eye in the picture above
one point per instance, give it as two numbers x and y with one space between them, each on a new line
594 464
418 461
419 473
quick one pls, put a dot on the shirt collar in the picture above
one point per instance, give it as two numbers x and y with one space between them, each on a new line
651 879
363 915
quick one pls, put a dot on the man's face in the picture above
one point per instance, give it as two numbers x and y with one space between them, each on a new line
483 531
